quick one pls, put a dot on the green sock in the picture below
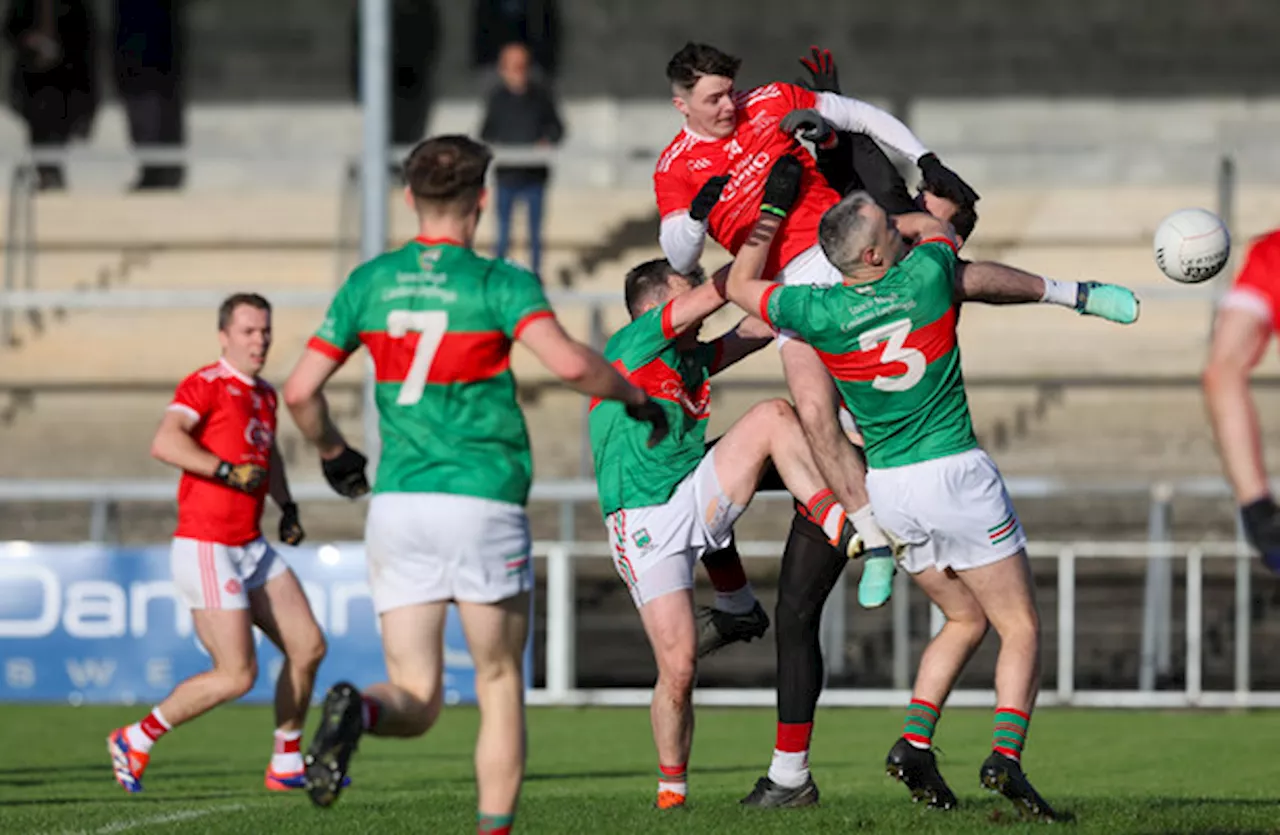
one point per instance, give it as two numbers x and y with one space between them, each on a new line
1010 732
922 718
493 824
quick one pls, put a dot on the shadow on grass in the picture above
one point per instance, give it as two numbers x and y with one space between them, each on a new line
135 802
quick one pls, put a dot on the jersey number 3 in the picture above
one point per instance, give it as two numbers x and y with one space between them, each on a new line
430 325
894 335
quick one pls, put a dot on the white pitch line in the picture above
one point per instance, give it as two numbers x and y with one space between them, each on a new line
159 820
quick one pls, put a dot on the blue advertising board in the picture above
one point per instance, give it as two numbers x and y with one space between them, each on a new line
94 624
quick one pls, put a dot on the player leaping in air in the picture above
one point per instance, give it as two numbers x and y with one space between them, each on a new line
666 506
447 520
928 480
220 431
709 180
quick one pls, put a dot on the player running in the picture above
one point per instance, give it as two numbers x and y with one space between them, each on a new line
887 333
1247 316
220 431
447 520
666 506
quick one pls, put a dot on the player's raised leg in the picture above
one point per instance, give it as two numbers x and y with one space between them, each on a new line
496 637
280 609
736 615
839 464
1006 593
911 760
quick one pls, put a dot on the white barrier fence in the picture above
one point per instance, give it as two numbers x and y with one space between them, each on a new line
561 678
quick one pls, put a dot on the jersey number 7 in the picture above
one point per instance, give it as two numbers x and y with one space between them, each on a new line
431 326
894 334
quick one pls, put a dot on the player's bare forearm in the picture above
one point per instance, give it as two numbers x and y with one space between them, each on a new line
304 396
918 226
311 416
692 307
745 287
173 445
278 479
744 340
575 364
992 283
1240 338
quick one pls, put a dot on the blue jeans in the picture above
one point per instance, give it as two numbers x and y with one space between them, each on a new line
531 195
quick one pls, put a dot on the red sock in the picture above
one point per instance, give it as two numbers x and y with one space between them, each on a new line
793 738
826 513
725 570
288 746
369 710
153 726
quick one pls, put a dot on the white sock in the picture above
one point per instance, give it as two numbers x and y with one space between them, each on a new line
1060 292
789 769
138 739
283 762
864 522
736 602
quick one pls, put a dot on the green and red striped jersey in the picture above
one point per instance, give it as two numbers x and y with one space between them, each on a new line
628 473
439 320
891 346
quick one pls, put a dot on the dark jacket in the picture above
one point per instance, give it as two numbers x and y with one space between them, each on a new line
75 76
534 23
521 119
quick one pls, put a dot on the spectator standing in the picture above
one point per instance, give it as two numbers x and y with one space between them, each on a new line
534 23
521 112
149 52
53 86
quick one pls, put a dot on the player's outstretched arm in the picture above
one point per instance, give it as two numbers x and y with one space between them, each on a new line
591 374
749 336
781 190
692 307
992 283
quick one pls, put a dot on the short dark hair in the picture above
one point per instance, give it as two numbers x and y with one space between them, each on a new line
447 172
965 218
646 282
228 307
695 60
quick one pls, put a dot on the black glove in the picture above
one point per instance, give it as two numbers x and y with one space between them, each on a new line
345 473
651 413
942 181
1262 529
291 532
822 71
707 197
243 477
783 186
810 124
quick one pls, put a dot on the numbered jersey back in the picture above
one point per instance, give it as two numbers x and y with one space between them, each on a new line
891 346
439 322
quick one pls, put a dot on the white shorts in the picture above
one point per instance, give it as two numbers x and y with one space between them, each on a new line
655 547
951 512
210 575
432 547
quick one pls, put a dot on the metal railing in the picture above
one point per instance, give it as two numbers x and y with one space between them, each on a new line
1156 656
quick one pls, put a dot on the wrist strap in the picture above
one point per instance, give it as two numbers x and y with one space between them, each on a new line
773 210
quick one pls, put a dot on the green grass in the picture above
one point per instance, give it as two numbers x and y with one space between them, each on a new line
593 771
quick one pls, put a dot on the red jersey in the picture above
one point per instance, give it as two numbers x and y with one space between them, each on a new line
746 156
235 420
1257 287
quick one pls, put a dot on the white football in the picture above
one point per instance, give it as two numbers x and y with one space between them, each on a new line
1192 245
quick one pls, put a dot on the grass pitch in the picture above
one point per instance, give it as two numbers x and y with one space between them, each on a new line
593 770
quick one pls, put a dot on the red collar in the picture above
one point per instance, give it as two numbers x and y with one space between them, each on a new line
439 241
